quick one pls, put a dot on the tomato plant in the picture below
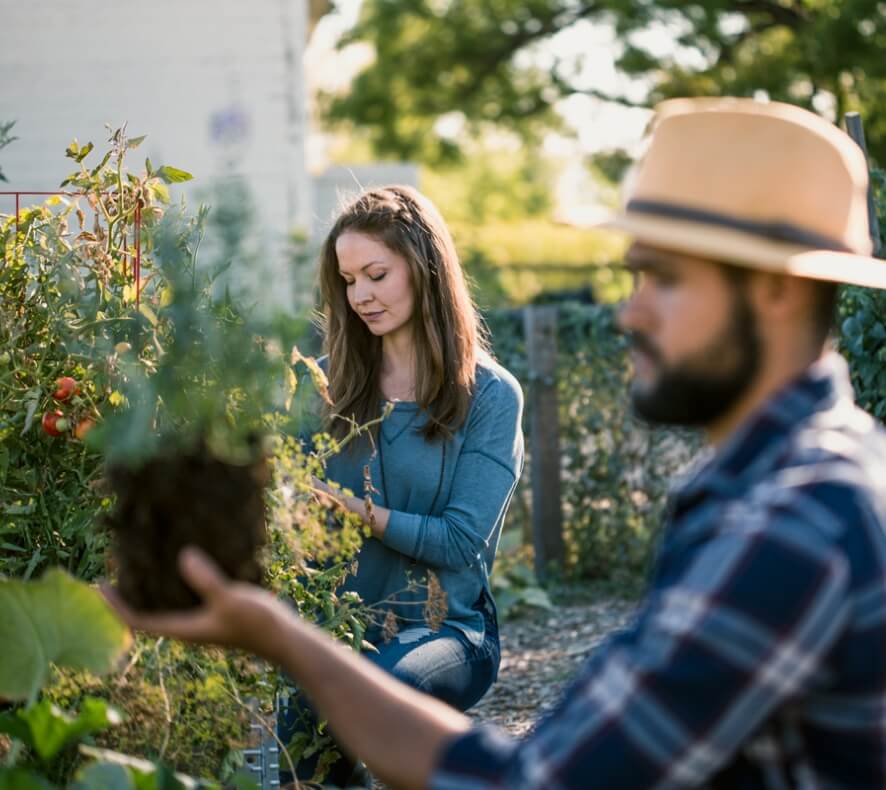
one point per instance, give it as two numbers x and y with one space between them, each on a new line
67 300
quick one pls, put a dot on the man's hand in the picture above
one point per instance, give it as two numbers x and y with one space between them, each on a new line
398 731
232 614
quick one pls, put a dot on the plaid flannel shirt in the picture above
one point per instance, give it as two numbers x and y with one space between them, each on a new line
758 657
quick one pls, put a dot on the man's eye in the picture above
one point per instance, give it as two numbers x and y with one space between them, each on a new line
665 280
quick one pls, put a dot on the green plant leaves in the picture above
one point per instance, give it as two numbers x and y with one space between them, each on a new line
115 771
54 620
78 154
47 730
172 175
21 779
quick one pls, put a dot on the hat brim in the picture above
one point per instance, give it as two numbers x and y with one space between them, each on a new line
745 249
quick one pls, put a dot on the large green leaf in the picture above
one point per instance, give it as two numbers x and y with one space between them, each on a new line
21 779
47 730
141 774
103 776
56 620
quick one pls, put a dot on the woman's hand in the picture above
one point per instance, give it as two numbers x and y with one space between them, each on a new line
232 614
377 518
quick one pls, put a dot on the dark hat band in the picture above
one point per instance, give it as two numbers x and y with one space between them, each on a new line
774 231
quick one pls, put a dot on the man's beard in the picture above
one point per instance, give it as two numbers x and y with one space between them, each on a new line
703 387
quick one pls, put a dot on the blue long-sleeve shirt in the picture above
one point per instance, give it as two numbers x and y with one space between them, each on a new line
758 658
447 502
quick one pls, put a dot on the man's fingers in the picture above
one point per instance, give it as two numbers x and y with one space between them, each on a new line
194 625
200 571
117 603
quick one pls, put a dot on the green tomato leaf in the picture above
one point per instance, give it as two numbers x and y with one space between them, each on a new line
12 724
172 175
84 152
54 620
94 172
51 729
143 774
103 776
148 313
21 779
160 191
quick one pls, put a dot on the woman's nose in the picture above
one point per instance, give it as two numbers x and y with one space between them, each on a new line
362 293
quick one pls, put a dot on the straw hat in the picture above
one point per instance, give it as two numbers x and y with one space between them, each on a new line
763 185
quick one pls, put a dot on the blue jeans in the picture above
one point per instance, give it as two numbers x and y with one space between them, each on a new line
441 663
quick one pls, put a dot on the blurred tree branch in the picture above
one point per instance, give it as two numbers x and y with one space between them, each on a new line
499 63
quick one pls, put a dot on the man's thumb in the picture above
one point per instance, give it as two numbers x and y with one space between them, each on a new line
200 572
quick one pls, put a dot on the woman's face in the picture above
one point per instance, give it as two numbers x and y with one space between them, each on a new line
378 282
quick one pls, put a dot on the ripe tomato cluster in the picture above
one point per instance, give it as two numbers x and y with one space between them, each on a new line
55 422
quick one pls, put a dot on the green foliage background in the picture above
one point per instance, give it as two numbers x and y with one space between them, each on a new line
498 63
616 470
863 325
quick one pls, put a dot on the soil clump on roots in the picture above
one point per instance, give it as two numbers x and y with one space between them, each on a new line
181 499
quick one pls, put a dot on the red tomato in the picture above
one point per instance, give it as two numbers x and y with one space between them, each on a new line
83 427
54 423
65 389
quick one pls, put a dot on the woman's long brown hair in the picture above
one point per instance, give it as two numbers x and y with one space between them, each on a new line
448 338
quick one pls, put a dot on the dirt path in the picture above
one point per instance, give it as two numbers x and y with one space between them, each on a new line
540 654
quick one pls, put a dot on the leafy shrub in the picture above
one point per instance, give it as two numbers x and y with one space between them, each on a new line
615 470
862 314
68 309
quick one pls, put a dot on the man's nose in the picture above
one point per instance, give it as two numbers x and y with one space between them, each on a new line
627 318
637 313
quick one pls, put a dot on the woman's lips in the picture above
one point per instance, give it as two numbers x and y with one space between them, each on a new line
372 316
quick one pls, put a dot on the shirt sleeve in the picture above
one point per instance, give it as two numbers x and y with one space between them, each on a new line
741 626
486 473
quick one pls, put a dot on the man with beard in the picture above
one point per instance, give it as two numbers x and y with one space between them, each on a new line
758 656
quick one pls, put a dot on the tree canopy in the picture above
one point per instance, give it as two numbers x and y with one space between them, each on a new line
501 63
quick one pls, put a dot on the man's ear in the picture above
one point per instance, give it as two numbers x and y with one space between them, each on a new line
778 297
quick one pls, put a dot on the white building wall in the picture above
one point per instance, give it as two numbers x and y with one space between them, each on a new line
217 85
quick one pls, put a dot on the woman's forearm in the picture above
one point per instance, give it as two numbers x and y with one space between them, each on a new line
377 520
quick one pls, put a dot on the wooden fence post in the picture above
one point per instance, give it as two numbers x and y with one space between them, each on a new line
540 326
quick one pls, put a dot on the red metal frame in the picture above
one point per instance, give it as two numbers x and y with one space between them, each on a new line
137 264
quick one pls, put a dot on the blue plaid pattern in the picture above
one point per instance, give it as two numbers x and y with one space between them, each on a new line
758 657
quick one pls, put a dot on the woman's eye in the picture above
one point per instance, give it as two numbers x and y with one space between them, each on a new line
378 277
